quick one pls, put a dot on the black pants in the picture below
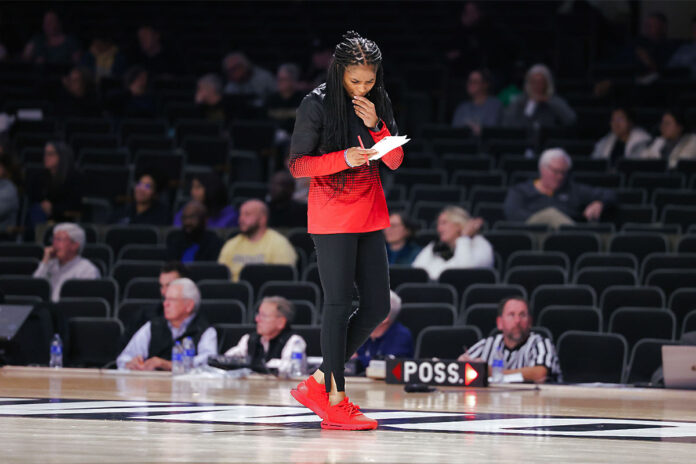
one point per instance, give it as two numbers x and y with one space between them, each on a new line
345 260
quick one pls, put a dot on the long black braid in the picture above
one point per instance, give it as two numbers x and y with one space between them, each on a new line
353 50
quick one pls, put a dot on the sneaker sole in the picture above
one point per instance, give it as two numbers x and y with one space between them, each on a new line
307 402
339 426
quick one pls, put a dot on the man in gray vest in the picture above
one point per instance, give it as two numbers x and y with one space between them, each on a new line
151 346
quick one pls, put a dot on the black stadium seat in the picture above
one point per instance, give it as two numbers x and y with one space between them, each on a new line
592 357
445 342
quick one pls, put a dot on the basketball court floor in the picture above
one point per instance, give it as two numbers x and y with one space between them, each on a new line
92 416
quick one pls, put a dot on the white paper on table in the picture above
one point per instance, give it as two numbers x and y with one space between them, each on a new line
387 144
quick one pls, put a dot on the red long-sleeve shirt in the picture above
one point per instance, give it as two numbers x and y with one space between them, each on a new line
361 206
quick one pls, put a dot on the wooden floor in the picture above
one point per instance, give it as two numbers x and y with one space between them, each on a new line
88 416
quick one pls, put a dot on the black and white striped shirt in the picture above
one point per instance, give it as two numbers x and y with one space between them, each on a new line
535 351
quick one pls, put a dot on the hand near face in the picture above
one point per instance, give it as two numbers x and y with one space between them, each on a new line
472 227
49 253
365 110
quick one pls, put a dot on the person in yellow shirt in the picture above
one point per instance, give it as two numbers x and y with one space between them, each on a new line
256 242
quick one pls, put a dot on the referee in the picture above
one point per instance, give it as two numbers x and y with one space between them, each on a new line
524 351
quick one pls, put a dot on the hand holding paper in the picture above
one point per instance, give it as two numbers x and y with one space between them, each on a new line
387 144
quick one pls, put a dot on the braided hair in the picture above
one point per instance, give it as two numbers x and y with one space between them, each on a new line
353 50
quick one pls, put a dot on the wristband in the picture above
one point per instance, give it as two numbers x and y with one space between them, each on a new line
345 157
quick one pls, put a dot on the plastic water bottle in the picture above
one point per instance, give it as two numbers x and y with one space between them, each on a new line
178 359
189 353
497 365
296 365
56 359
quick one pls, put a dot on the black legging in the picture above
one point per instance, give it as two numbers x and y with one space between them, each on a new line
345 259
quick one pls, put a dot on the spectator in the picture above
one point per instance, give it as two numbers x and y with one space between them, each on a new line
653 48
274 341
316 72
209 98
171 271
685 56
104 58
53 45
256 243
390 338
77 97
401 249
146 207
135 100
62 261
459 245
55 193
208 188
483 110
553 200
539 105
193 242
479 40
625 139
9 197
673 144
151 346
284 211
245 78
282 104
152 54
524 352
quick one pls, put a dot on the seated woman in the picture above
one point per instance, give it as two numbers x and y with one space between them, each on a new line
539 105
146 208
208 188
401 249
459 246
674 143
624 139
54 193
482 110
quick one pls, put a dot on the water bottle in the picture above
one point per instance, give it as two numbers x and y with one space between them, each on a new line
497 365
56 359
178 359
296 365
189 353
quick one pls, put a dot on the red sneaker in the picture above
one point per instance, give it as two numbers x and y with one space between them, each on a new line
347 416
312 395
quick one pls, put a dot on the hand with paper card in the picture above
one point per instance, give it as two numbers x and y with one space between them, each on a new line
387 144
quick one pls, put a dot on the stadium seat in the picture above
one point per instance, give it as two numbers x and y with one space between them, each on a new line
258 274
646 358
94 342
561 295
531 277
297 290
592 357
560 319
573 244
428 293
638 323
143 288
223 311
600 278
106 288
480 315
681 302
124 271
461 279
417 316
670 280
617 296
17 285
445 342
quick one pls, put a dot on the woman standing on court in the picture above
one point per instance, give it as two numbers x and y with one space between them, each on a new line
336 125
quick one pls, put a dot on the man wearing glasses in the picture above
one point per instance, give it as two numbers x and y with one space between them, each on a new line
552 199
274 341
151 346
62 261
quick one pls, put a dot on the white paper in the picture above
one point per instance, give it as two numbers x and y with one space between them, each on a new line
387 144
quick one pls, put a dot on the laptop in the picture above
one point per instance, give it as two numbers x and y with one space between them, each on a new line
679 366
11 319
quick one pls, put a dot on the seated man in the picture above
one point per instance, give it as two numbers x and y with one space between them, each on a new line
552 199
274 340
388 338
256 242
526 352
151 346
193 242
62 261
168 273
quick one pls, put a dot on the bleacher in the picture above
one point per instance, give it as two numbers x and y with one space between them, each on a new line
622 286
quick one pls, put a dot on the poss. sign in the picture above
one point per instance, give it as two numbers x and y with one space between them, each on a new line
437 372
